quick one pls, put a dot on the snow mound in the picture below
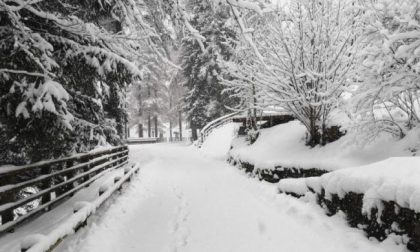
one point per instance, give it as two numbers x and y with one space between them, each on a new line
297 186
80 205
218 142
31 240
284 145
393 179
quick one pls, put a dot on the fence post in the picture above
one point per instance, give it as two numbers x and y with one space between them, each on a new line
83 160
45 185
7 215
7 197
70 175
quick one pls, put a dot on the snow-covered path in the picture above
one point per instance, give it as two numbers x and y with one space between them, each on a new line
184 201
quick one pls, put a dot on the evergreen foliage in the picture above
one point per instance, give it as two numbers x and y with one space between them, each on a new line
205 99
64 68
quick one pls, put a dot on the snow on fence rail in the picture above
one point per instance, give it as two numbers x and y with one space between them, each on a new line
148 140
82 211
152 140
53 180
215 124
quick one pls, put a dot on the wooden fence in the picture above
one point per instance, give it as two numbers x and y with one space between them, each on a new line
152 140
52 181
214 125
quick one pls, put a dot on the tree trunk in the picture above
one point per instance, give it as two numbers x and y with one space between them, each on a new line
149 125
254 101
314 136
140 130
155 119
127 132
170 130
155 116
149 116
180 124
194 131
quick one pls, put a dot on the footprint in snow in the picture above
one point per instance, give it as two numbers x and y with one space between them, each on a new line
261 227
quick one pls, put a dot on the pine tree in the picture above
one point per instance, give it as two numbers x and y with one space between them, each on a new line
64 68
204 99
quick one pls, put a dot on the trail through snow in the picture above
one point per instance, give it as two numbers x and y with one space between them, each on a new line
184 201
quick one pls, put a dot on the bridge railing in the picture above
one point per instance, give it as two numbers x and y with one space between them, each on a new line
148 140
216 124
51 182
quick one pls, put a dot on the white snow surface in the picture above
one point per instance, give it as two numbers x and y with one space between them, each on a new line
217 144
186 201
284 145
393 179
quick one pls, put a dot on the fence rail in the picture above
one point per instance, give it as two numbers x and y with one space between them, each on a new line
216 124
52 181
149 140
158 140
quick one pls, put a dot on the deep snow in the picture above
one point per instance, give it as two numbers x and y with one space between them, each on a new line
284 145
185 201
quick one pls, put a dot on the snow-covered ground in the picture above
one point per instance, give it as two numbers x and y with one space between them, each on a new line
218 143
186 201
284 145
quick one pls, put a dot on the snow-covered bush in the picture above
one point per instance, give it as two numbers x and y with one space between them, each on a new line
252 135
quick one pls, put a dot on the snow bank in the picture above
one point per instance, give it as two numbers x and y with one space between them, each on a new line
381 198
218 142
393 179
31 240
295 186
284 145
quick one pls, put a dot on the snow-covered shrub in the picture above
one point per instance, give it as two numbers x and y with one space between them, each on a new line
252 135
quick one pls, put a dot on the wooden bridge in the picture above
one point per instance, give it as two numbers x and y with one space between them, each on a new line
151 140
143 140
265 119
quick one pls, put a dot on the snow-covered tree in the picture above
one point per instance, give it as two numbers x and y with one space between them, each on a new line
241 86
204 99
387 94
303 54
64 68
